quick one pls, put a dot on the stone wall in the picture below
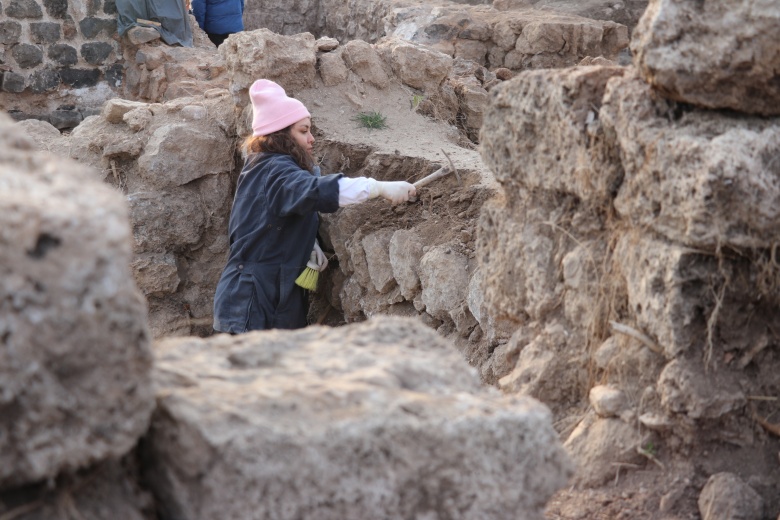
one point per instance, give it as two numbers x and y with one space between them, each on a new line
516 38
635 249
57 46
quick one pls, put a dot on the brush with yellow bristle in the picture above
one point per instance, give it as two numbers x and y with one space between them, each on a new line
310 276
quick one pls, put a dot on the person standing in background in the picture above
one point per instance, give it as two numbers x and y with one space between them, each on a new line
219 18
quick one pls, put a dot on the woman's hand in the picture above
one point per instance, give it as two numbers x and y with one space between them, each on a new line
396 191
318 257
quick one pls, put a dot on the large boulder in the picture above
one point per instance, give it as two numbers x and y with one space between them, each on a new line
74 338
712 54
416 65
377 420
252 55
547 120
702 178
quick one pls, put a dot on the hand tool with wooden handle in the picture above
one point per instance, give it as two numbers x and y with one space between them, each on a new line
438 174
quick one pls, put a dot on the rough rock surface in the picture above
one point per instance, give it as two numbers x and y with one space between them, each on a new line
633 247
515 39
157 73
726 496
75 344
702 178
381 419
252 55
712 54
100 492
567 133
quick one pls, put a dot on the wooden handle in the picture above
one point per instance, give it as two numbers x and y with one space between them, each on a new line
438 174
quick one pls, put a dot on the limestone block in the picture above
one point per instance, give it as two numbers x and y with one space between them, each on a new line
541 371
444 277
581 279
326 44
685 387
535 38
406 250
251 55
75 342
332 69
377 251
473 50
138 118
696 52
156 274
472 100
164 221
519 259
45 136
151 57
702 178
416 65
505 32
726 496
547 121
381 419
668 286
364 60
194 113
140 35
178 153
115 109
597 444
607 401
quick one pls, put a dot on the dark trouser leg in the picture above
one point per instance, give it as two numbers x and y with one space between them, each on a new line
217 39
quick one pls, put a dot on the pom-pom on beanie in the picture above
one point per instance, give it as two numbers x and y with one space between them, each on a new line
271 108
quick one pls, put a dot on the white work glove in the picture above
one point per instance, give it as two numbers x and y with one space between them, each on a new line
394 191
317 261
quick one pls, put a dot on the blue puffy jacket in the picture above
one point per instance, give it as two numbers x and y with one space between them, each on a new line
219 16
272 228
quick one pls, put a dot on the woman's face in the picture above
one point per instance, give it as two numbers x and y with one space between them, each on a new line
301 134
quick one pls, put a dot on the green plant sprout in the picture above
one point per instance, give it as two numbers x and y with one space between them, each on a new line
371 120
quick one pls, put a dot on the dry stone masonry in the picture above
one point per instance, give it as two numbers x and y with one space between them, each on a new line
636 244
53 46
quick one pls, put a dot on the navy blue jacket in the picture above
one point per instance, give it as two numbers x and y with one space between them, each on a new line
272 228
219 16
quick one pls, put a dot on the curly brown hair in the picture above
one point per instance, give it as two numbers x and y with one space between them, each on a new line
282 142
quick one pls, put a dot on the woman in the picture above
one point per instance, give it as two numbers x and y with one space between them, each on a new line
274 221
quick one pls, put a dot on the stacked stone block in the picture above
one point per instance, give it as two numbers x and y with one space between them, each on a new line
47 45
646 204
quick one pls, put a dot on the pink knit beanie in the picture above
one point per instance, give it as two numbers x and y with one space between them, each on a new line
272 109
